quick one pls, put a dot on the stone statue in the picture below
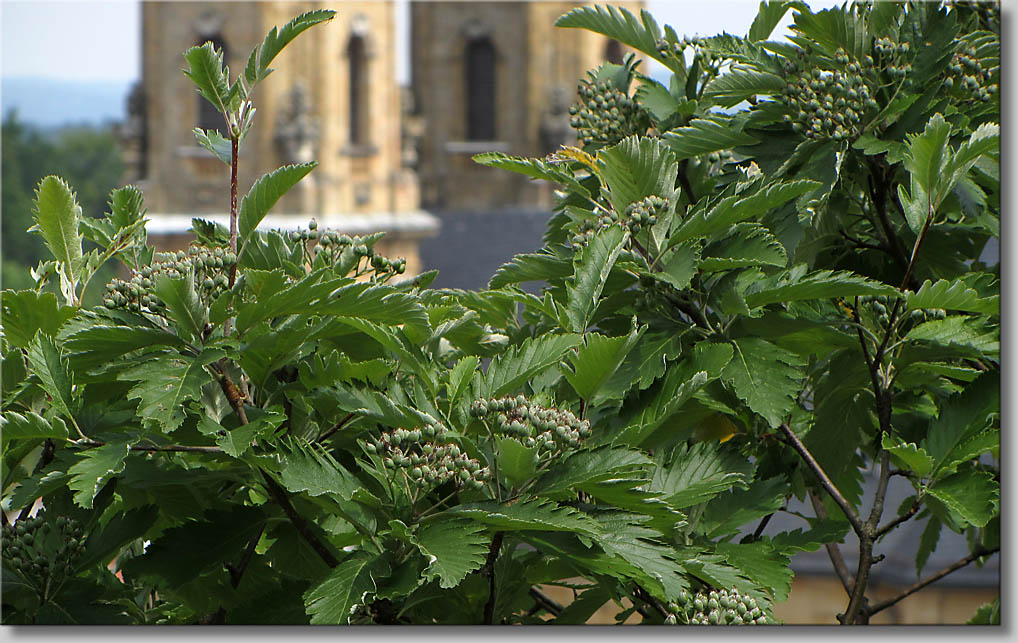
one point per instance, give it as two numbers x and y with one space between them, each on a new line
297 129
555 130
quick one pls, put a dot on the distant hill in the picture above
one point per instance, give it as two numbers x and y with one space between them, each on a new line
48 103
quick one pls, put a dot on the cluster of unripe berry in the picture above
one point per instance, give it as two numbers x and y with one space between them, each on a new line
603 114
828 103
709 61
637 215
717 607
967 73
548 429
43 552
330 246
209 265
426 458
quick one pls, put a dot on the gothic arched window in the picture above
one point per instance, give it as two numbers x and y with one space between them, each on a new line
613 52
357 59
480 89
208 116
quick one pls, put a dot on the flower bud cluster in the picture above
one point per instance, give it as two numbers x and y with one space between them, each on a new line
644 212
603 114
718 607
43 551
548 429
710 62
426 458
967 77
210 266
829 103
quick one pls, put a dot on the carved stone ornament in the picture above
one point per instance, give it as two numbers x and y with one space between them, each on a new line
297 129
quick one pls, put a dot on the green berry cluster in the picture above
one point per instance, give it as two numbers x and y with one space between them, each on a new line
710 62
210 266
717 607
829 103
967 77
644 212
330 247
548 429
41 551
426 458
604 115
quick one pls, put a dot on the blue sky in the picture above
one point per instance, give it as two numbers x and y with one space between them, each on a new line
90 40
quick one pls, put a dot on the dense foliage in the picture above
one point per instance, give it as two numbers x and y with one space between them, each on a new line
761 280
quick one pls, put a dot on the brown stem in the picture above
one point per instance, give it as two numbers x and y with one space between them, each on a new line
913 510
856 611
236 573
545 602
645 596
825 481
234 153
279 495
489 572
915 251
833 551
932 579
878 195
684 181
177 448
230 391
763 524
336 427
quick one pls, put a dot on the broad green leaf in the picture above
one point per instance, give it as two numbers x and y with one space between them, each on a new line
27 312
32 488
592 266
703 136
635 168
534 168
460 376
972 495
987 614
694 474
729 511
264 194
332 601
236 441
769 16
748 244
597 359
739 207
182 304
166 384
641 34
258 64
908 455
648 412
381 304
512 369
95 468
958 330
30 425
56 215
528 515
516 463
951 295
820 533
984 140
795 284
125 218
374 404
103 343
645 363
636 545
275 297
832 29
739 84
760 563
49 364
962 418
216 143
766 377
309 468
584 467
927 543
121 530
678 268
538 266
582 608
454 548
205 69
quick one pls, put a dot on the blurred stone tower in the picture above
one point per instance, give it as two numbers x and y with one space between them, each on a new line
333 98
495 76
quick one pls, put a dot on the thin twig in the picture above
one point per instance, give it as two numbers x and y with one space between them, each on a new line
336 427
932 579
913 510
545 602
234 153
236 573
279 495
833 551
825 481
489 572
761 526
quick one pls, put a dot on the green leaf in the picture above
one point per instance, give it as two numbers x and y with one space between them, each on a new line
649 411
182 305
166 384
951 295
235 442
618 23
592 266
49 364
739 84
262 56
908 455
529 515
727 512
374 404
205 69
584 467
960 331
56 215
264 194
27 312
332 601
748 244
820 533
645 363
534 168
760 563
987 614
974 496
739 207
310 468
927 543
380 304
540 266
703 136
275 297
694 474
103 343
962 418
121 530
460 376
512 369
516 463
795 284
769 16
454 548
597 359
984 140
678 268
654 563
29 426
216 143
95 468
635 168
766 377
